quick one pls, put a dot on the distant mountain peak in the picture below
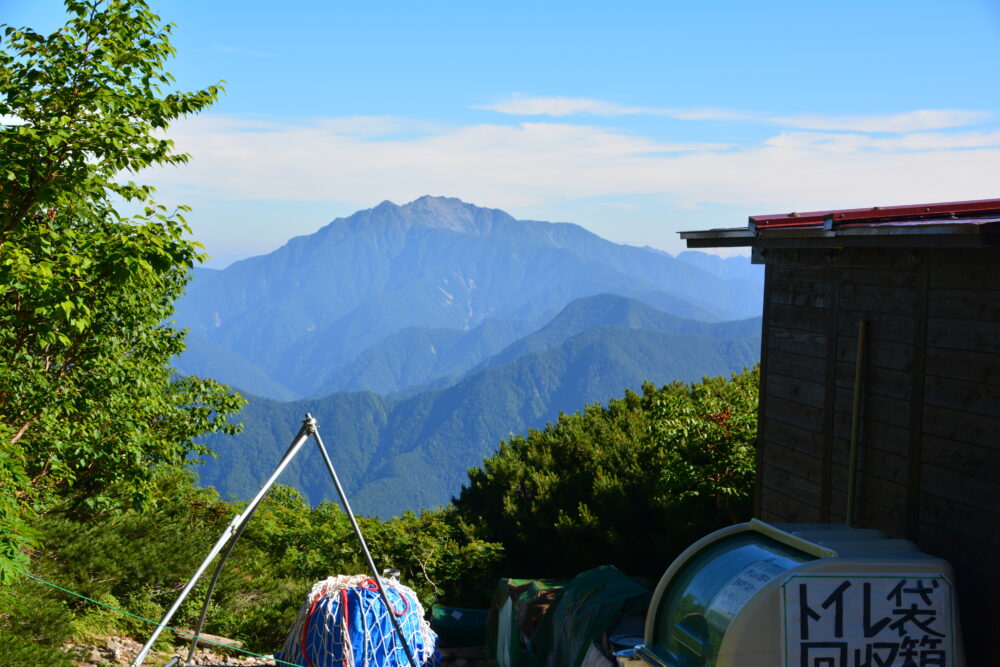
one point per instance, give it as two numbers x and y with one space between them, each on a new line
439 202
452 213
306 311
445 209
448 213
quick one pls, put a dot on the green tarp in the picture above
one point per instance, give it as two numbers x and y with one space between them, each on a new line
590 606
456 626
511 609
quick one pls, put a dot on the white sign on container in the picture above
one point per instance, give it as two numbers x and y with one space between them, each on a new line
742 586
845 620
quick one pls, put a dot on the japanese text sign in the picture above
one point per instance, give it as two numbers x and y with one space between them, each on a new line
846 620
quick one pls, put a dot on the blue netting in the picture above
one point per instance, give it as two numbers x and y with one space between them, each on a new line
344 623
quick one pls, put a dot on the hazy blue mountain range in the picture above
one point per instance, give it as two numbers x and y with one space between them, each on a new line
728 268
414 357
411 452
614 310
208 358
395 298
425 333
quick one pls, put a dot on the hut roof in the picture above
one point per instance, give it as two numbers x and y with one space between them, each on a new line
963 223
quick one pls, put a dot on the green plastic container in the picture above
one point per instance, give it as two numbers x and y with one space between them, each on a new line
459 627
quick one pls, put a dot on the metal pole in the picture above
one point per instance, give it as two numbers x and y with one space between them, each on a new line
218 568
308 426
364 548
855 422
211 587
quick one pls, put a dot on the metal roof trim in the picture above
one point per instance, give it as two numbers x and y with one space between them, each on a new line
929 229
727 232
976 223
875 213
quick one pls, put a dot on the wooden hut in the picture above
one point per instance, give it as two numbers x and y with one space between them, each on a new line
921 394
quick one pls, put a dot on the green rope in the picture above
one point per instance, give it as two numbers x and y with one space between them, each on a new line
201 640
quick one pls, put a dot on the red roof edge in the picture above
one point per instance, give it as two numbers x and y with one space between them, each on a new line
936 210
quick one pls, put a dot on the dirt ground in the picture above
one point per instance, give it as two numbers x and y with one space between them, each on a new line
114 651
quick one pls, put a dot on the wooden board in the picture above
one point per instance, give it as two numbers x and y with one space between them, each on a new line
802 318
963 427
793 461
972 303
878 298
976 336
875 381
789 290
879 278
777 505
794 485
797 366
964 520
794 437
881 326
796 341
895 356
963 458
796 390
873 434
978 366
793 413
973 397
875 408
962 489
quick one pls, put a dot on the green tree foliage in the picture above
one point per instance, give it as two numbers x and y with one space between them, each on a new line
138 560
87 406
432 549
396 453
631 484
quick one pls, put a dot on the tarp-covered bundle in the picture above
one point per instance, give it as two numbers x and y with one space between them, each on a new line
591 605
343 622
555 623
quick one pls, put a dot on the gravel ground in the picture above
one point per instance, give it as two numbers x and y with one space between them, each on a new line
122 650
115 651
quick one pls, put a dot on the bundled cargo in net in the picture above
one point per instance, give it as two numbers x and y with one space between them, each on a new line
344 623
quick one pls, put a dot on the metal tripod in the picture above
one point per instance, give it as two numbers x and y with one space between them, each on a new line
232 534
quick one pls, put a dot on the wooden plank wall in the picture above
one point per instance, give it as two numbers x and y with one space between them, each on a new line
929 456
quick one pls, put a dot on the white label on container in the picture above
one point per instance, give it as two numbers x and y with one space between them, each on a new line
740 588
843 620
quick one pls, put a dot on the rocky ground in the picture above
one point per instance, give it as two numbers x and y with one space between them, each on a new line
113 651
122 650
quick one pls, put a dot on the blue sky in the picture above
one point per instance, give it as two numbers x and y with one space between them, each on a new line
634 119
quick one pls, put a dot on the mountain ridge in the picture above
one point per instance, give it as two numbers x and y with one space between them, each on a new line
306 311
411 452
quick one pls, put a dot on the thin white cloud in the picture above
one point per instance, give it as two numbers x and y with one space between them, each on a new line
910 121
358 126
519 105
706 114
533 164
619 205
916 141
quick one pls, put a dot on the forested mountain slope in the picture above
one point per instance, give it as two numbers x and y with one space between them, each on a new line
411 452
612 309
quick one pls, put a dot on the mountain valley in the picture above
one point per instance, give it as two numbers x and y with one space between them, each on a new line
421 335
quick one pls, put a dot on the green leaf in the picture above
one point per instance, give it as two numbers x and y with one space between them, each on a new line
84 354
